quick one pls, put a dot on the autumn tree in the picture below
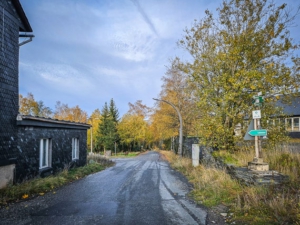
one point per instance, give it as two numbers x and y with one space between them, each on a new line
139 108
178 90
133 127
245 50
132 130
29 106
74 114
94 121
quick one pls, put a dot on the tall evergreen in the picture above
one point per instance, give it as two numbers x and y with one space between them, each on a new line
114 111
107 131
115 117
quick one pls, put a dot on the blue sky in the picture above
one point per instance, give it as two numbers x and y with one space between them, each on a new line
86 52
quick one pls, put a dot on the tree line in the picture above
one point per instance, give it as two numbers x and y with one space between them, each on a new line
108 130
29 106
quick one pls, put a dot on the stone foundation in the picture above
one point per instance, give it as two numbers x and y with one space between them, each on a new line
255 177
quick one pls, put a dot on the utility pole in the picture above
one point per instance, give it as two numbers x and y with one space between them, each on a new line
180 120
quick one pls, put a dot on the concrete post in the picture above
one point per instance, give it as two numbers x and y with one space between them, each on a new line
195 154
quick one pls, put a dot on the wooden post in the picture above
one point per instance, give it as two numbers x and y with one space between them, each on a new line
256 140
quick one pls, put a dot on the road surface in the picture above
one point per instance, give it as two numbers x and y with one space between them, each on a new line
140 190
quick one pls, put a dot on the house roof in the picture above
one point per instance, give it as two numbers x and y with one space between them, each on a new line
35 121
292 109
22 15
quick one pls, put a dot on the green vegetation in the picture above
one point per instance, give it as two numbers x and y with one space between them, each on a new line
107 134
241 49
226 157
126 154
40 186
248 204
237 52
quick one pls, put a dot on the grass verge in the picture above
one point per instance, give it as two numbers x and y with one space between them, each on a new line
247 204
40 186
125 154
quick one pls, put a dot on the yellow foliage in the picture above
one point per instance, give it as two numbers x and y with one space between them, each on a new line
24 196
132 128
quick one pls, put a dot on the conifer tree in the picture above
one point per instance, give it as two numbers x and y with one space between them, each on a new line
107 131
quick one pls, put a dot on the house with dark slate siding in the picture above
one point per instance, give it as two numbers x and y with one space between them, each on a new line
292 110
29 146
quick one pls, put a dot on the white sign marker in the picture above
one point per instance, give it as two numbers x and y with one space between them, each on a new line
256 114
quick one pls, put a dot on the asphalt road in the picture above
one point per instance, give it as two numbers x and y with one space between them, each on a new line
141 190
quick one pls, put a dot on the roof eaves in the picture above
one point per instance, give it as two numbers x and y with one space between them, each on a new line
22 16
44 120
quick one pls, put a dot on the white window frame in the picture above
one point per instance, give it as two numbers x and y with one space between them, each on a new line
297 127
45 153
75 148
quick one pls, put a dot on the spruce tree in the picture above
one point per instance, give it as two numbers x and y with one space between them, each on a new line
107 131
114 111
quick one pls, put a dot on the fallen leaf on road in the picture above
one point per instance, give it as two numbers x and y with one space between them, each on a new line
24 196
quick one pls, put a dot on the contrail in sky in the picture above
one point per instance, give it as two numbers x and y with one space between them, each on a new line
146 18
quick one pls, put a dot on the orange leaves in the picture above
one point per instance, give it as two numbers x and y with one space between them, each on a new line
24 196
64 112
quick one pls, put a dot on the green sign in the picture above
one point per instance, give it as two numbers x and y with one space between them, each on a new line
258 100
258 132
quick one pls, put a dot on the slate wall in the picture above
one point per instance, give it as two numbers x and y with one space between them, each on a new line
9 57
187 143
29 144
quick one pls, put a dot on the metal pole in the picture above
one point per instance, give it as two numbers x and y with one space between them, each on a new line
180 120
92 139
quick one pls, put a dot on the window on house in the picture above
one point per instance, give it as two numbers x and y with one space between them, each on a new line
288 124
296 124
45 153
75 148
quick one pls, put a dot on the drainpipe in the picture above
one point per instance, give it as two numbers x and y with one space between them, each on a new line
30 36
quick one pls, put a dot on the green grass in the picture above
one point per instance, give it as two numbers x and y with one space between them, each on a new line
125 155
226 157
40 186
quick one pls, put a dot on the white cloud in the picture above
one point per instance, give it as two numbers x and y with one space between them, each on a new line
58 76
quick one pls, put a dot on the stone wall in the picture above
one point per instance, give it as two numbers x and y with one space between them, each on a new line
29 144
186 145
